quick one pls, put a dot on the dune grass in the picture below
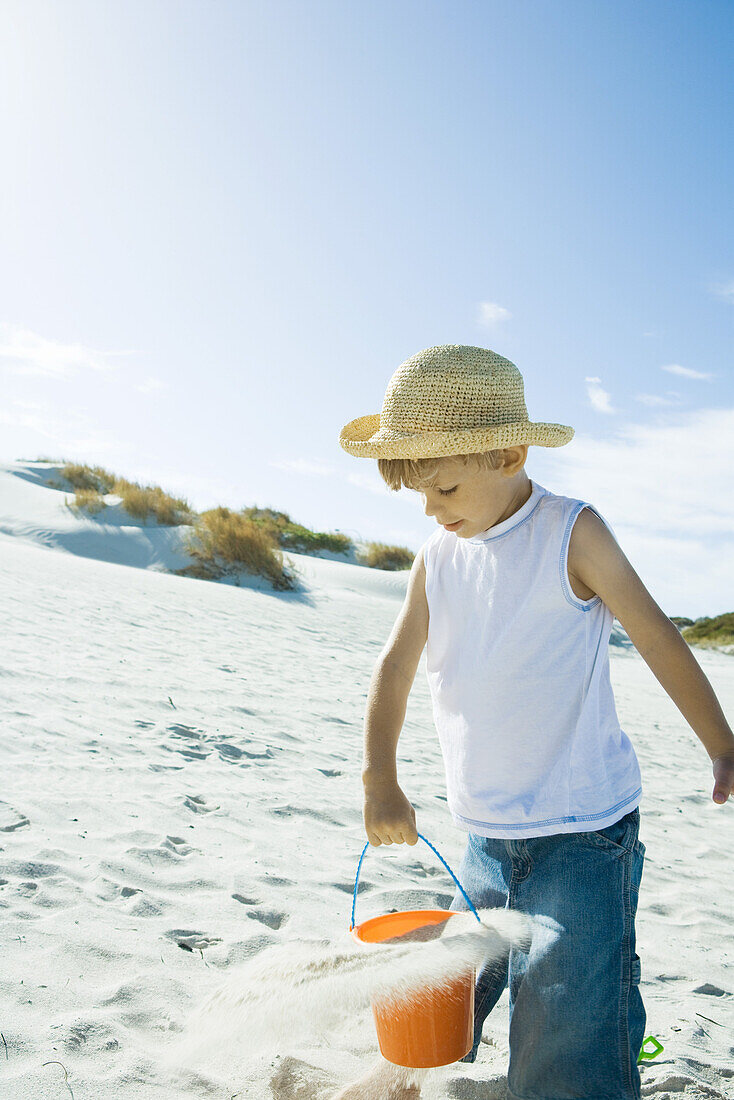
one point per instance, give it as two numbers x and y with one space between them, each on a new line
224 543
377 555
82 477
87 500
293 536
715 631
91 483
141 501
221 541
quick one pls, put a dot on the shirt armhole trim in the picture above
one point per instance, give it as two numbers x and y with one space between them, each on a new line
428 549
572 598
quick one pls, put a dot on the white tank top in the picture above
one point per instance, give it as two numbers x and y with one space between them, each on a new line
518 669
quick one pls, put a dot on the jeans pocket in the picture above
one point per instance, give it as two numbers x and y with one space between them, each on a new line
620 837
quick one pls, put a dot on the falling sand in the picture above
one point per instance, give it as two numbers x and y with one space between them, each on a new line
298 992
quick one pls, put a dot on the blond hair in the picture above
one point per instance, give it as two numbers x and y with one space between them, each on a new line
416 473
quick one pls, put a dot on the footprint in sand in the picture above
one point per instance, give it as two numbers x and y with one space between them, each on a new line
31 869
111 890
166 853
98 1035
11 819
198 804
189 940
421 871
676 1083
266 754
273 918
348 887
465 1088
305 811
191 734
178 845
227 751
297 1080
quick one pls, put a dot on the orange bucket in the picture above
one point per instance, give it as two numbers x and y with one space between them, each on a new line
432 1027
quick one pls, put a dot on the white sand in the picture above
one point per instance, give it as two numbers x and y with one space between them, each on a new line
180 769
300 991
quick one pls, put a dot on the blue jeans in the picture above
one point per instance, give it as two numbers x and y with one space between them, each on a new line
577 1021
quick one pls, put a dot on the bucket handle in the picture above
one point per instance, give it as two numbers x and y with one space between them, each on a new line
359 867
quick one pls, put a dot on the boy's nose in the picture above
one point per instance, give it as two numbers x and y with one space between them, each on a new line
428 507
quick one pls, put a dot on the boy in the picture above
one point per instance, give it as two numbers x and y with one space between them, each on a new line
515 595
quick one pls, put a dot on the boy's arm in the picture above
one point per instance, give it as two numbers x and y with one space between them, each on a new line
389 816
392 679
597 560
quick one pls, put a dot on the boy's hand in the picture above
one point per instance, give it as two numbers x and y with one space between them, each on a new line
724 776
389 817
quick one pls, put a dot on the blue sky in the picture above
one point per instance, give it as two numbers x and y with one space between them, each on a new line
225 224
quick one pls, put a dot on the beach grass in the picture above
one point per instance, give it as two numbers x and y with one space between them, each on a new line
223 542
87 500
142 501
378 555
92 483
294 536
716 631
82 477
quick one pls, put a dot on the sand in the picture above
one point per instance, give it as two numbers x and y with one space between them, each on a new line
181 793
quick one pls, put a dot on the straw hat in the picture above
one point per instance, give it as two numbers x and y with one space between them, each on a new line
450 400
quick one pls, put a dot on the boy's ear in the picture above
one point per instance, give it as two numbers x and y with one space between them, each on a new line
513 458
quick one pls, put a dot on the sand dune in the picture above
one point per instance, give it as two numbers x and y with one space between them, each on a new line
180 790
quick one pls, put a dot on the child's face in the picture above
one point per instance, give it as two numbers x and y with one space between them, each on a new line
467 500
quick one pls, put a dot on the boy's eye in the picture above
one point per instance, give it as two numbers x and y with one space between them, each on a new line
447 492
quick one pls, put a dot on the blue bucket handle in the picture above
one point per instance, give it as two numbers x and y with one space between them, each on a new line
359 867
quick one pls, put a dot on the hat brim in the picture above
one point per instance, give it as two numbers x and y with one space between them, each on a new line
363 438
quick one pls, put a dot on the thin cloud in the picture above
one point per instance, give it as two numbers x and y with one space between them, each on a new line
371 482
645 476
685 372
657 399
490 313
599 398
305 466
151 385
674 523
725 291
25 352
72 433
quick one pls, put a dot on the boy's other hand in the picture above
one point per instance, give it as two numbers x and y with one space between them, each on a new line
389 817
724 776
